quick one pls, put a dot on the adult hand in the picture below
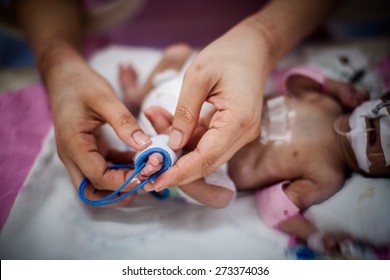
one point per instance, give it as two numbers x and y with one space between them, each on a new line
82 101
230 73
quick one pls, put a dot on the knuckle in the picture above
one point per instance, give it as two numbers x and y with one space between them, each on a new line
208 165
96 184
250 125
179 176
184 114
127 119
61 148
195 72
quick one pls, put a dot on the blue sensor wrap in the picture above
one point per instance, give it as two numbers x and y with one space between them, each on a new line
143 157
159 145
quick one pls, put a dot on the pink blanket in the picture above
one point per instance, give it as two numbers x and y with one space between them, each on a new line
25 121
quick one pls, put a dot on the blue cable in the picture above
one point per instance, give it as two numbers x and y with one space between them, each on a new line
380 106
140 163
108 199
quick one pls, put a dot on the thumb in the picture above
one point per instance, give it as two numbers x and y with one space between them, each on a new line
124 123
192 96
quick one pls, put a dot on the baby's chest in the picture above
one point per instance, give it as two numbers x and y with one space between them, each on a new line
298 157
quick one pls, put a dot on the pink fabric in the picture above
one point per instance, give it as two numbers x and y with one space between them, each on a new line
24 122
273 204
309 71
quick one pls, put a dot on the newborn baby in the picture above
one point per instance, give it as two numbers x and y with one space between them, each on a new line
309 142
162 88
320 146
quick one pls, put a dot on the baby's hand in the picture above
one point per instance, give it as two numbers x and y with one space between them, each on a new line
153 165
348 96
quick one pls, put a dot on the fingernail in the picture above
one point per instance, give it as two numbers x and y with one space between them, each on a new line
175 139
140 138
148 188
160 189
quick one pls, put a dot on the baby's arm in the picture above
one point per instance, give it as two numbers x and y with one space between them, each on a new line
344 93
207 194
305 193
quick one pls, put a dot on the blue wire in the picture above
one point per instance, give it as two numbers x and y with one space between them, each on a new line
164 194
107 200
379 107
119 166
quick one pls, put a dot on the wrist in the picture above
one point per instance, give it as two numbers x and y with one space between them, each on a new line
265 39
61 67
59 57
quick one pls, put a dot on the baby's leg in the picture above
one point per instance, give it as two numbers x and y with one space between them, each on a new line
132 93
173 57
348 96
208 194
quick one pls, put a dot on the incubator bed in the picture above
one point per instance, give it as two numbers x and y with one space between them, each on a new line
49 221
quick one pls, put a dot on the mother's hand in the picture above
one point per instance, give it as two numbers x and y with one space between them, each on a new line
82 101
230 73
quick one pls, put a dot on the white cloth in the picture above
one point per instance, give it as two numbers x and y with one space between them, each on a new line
49 221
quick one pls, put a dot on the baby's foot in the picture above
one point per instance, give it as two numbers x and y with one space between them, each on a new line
153 165
327 242
131 91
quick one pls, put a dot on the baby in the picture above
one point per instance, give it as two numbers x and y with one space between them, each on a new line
162 88
320 147
309 143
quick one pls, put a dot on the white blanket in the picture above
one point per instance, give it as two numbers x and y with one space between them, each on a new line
49 221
